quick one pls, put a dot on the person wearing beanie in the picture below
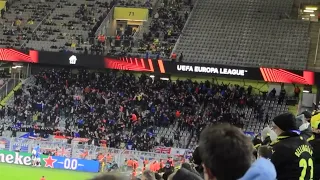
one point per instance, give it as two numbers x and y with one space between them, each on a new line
292 154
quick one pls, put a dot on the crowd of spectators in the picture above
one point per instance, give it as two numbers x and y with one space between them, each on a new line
64 25
74 27
226 153
18 20
75 30
158 41
121 109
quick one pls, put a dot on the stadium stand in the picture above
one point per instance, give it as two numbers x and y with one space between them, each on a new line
246 33
158 36
70 25
21 19
123 117
61 26
148 112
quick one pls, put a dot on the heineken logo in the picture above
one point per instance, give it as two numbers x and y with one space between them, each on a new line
15 158
23 158
55 162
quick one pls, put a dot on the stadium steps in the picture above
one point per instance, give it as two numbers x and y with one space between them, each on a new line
145 26
27 82
13 85
313 33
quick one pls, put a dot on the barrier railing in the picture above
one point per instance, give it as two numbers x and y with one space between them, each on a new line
185 25
61 148
317 47
7 87
102 29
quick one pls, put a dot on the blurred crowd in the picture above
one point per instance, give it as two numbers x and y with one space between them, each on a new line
57 29
226 153
159 39
122 110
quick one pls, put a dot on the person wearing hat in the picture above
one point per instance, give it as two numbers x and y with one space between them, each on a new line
292 154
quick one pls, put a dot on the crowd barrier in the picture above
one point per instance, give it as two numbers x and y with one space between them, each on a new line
158 66
83 157
55 162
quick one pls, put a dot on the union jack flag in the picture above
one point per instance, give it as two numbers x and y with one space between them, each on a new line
163 150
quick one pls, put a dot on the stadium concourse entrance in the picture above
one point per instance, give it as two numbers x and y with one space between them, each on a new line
128 21
309 12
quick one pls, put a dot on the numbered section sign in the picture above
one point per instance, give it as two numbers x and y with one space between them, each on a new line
131 14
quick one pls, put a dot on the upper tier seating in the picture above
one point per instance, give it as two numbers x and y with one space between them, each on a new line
71 24
21 19
245 33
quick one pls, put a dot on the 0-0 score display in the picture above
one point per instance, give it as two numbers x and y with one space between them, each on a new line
70 164
75 164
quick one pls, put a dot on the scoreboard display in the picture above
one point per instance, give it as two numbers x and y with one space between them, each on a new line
74 164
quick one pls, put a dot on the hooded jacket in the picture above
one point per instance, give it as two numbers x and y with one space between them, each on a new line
261 169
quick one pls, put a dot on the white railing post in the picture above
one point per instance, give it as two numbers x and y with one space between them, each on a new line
316 54
183 29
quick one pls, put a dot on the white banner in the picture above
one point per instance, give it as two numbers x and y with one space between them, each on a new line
177 151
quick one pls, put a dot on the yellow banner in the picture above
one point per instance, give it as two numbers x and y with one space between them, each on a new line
132 14
3 5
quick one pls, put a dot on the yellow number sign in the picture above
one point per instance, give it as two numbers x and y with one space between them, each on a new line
136 14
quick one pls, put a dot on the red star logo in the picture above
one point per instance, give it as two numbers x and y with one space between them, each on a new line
49 162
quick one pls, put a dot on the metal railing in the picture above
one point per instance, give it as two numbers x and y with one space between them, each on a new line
317 47
7 87
102 29
184 27
75 150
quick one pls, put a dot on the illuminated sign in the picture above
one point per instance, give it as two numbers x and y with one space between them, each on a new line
158 66
284 76
211 70
73 59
